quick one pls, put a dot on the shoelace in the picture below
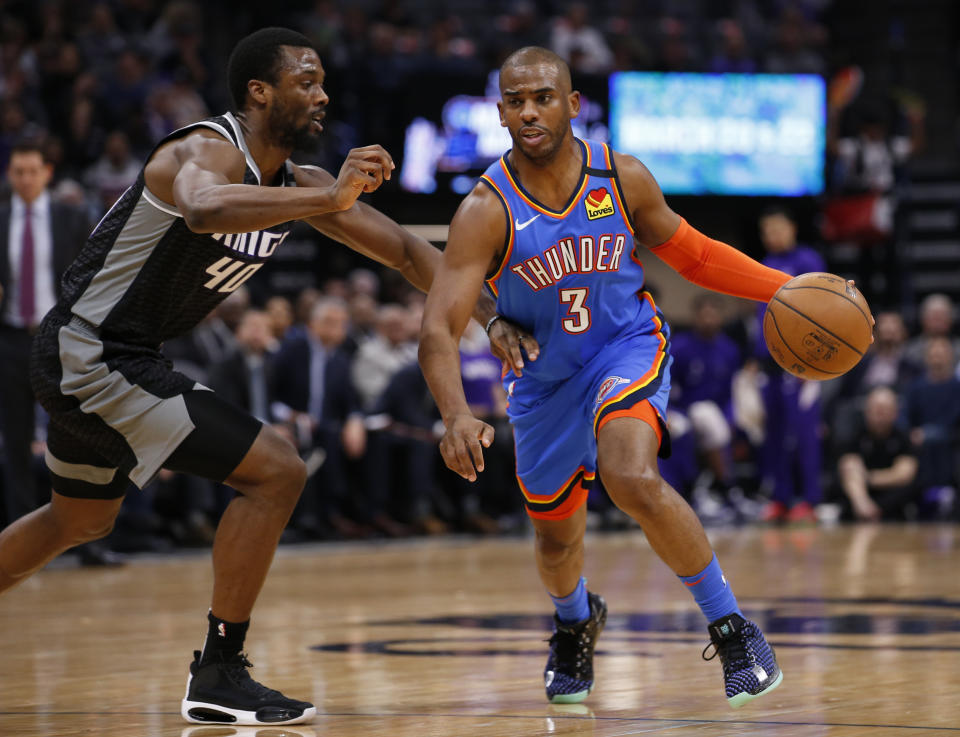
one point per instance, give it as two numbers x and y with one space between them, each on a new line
732 651
568 646
237 668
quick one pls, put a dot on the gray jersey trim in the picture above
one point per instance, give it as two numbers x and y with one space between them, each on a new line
152 426
140 234
81 471
242 143
160 204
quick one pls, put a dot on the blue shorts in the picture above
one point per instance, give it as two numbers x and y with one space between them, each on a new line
555 425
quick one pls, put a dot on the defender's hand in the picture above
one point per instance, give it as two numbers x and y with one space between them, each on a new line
363 171
505 341
462 445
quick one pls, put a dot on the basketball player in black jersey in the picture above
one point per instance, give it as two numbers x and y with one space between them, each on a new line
212 203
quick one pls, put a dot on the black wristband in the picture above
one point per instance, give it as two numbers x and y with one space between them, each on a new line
491 321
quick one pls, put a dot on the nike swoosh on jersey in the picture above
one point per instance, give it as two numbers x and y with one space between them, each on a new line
520 226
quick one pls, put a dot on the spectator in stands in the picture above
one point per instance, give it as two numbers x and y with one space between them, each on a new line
936 321
480 502
676 49
212 341
733 54
704 363
363 320
885 364
402 462
38 239
888 362
116 170
871 158
933 414
99 38
518 27
244 377
381 356
791 452
878 466
313 394
280 312
580 44
794 45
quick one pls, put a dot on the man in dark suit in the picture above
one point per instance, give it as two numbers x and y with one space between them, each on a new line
38 240
244 377
313 393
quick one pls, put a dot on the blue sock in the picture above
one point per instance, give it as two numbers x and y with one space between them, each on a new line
712 592
573 607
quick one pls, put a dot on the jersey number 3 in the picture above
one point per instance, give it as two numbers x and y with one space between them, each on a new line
227 274
578 315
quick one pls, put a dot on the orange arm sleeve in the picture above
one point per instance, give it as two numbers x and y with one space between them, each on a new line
717 266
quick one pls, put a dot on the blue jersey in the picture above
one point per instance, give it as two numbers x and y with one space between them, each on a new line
570 276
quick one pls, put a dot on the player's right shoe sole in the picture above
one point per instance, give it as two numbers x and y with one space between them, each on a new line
744 698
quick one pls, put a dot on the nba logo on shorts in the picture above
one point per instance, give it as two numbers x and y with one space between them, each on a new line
606 388
599 203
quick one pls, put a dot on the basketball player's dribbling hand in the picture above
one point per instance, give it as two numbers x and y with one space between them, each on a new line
462 445
506 340
363 170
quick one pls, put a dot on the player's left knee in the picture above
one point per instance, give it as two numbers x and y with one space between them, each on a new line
633 488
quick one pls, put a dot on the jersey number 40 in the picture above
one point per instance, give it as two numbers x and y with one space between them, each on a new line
227 274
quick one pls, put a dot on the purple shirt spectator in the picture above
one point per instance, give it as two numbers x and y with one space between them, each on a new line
702 369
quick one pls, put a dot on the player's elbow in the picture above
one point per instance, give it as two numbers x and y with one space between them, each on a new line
201 216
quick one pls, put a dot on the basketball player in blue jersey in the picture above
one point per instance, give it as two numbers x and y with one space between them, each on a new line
213 202
555 227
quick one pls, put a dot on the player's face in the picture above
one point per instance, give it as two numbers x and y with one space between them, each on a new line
536 106
298 103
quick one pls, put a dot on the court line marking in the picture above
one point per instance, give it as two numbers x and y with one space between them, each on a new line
387 646
573 717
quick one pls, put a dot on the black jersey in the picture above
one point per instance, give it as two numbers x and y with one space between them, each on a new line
143 276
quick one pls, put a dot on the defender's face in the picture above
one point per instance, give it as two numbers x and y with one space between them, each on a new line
536 109
299 101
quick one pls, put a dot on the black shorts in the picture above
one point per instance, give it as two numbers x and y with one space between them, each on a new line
119 413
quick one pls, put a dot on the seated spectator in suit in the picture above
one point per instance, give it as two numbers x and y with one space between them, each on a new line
403 457
378 358
244 376
936 321
933 414
313 393
878 466
211 341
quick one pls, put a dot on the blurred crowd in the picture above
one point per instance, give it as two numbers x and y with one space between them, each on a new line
333 365
104 81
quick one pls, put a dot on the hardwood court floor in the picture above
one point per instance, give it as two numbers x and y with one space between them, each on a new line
442 638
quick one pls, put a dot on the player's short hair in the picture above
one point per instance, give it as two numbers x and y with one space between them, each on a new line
530 55
257 56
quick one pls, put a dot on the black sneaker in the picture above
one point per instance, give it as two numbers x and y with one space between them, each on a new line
222 692
568 676
750 667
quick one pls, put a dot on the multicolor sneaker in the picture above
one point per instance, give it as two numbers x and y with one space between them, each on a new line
568 676
222 692
750 666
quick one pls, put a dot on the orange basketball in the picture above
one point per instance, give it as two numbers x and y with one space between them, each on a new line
817 326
